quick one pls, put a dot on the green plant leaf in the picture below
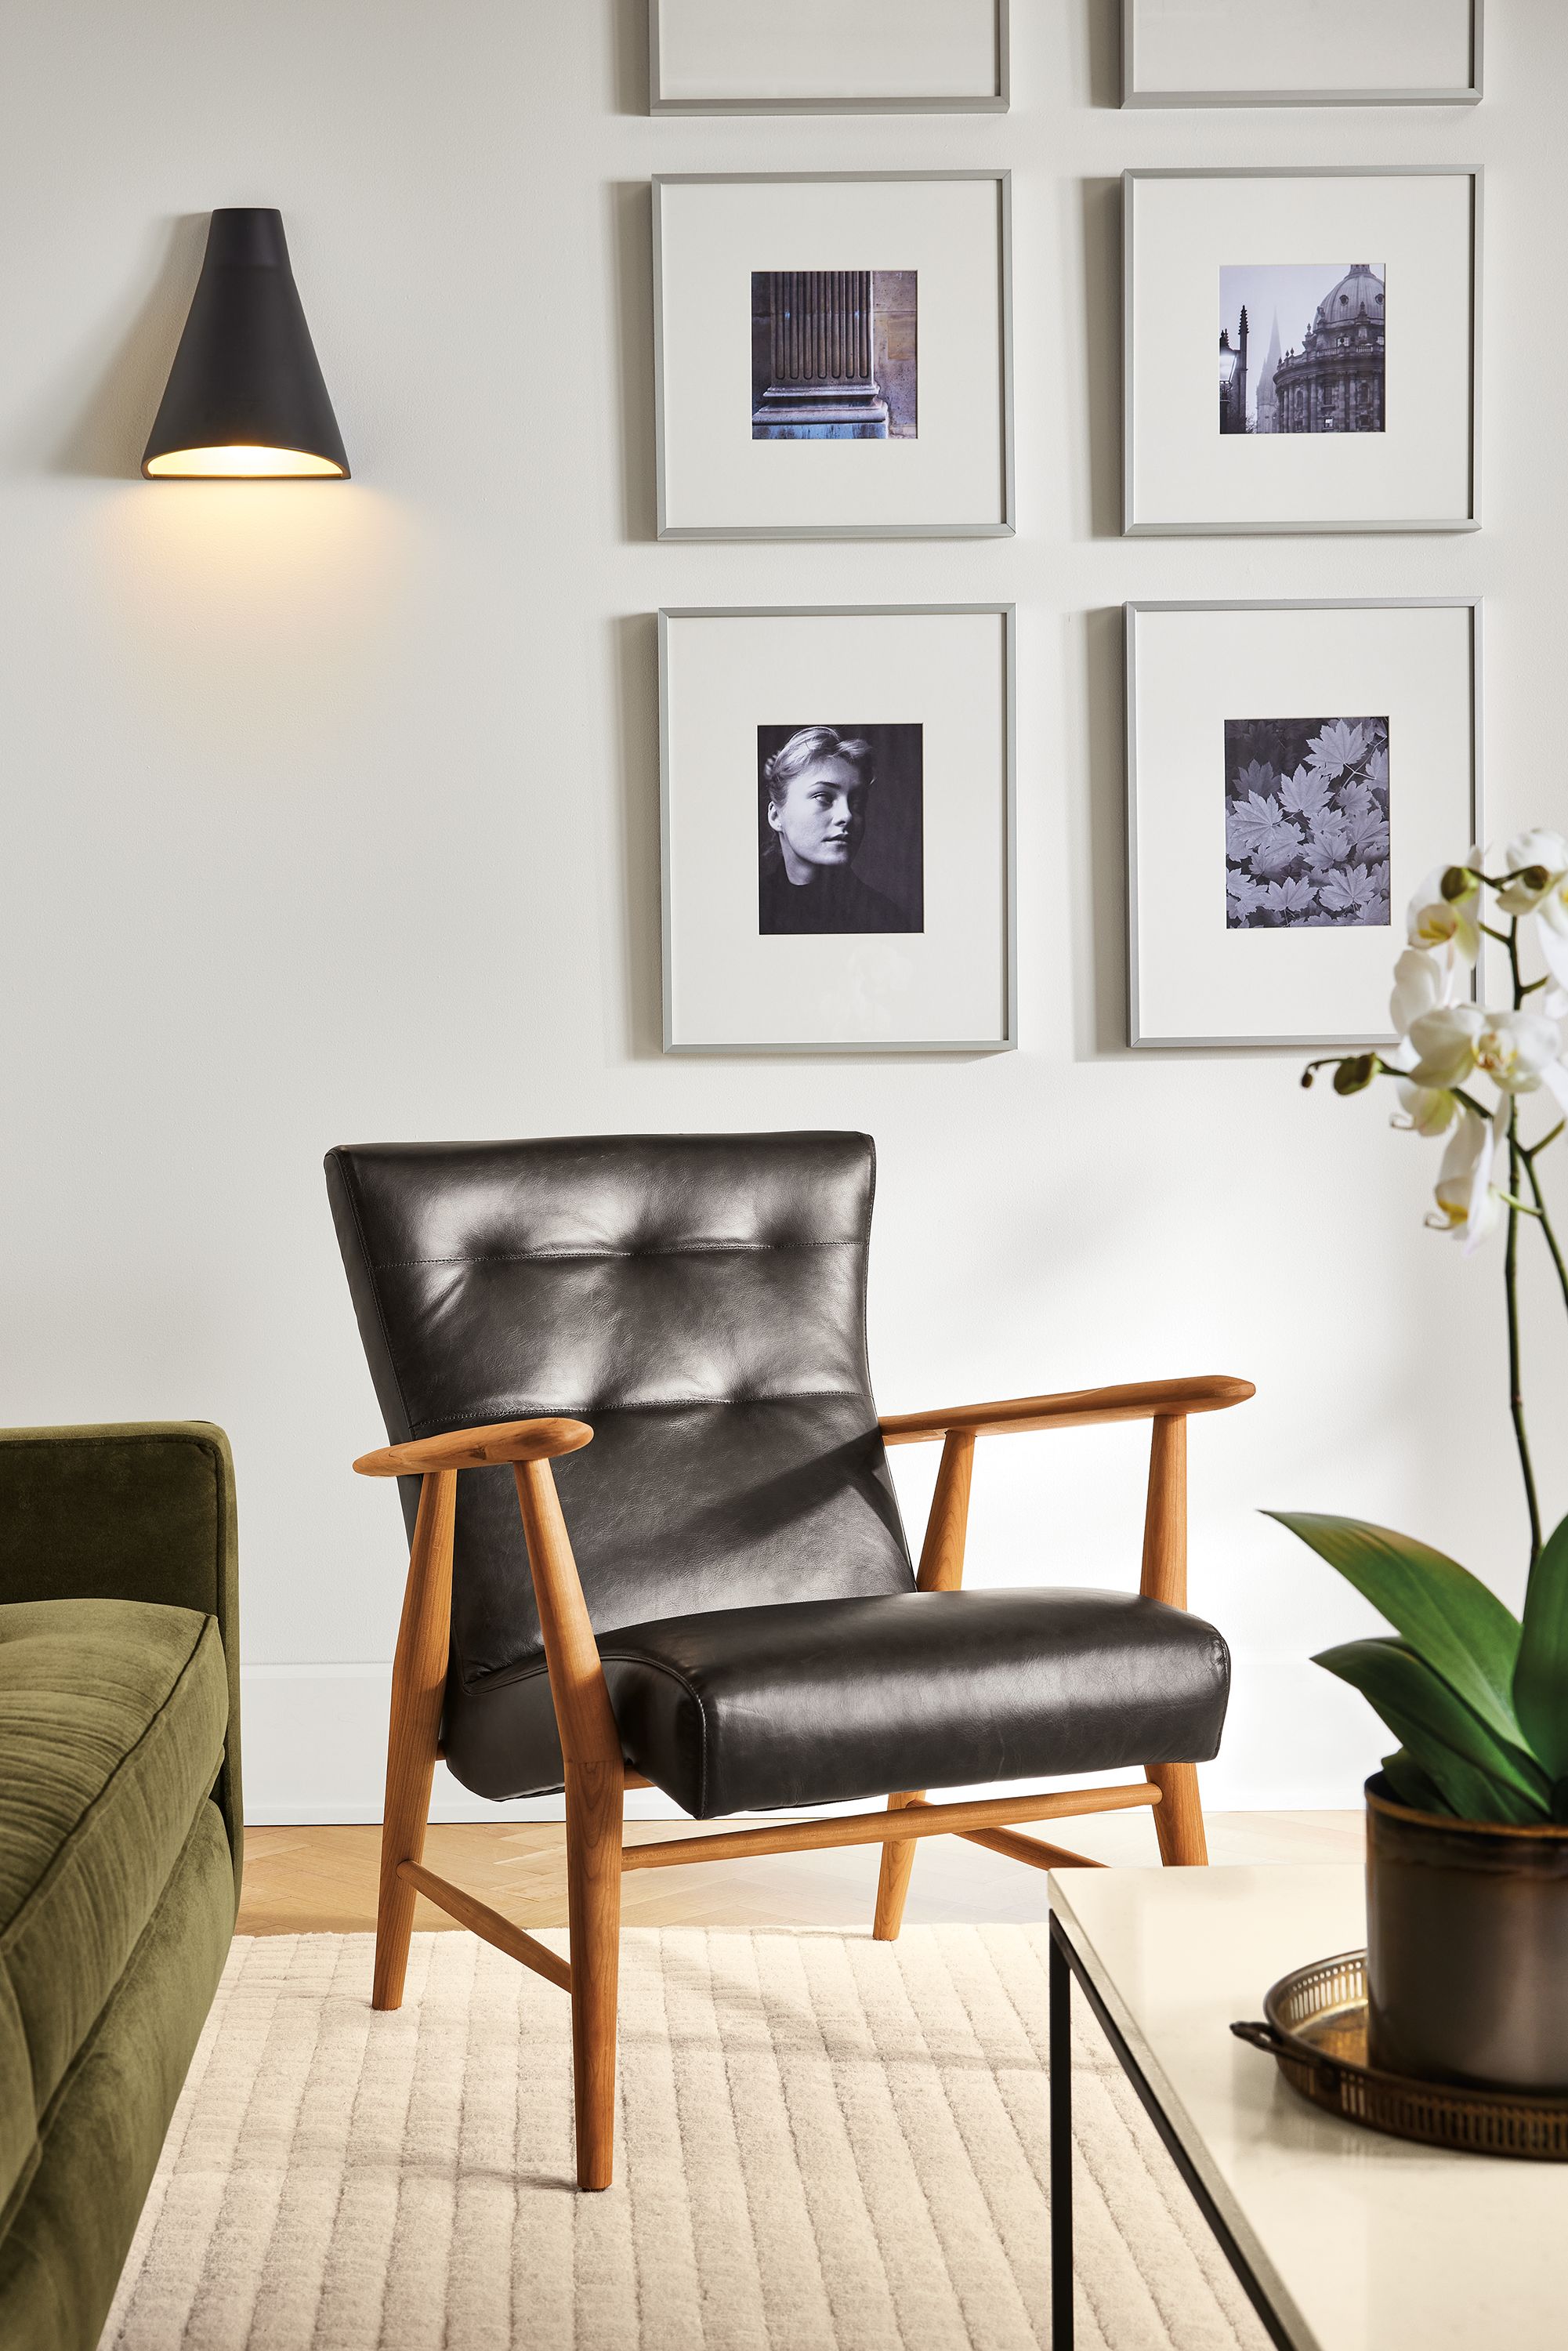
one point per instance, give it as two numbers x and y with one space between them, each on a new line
1446 1615
1440 1731
1413 1786
1541 1671
1464 1791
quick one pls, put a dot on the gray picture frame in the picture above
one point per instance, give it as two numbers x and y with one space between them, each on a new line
1470 94
1005 528
1131 613
997 103
877 1048
1356 526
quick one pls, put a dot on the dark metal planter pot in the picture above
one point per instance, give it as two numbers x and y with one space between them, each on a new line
1467 1929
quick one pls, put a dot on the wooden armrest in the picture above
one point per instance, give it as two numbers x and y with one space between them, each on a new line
478 1449
1144 1400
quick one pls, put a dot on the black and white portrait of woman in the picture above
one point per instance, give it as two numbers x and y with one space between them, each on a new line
840 829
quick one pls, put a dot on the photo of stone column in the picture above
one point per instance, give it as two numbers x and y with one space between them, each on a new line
833 354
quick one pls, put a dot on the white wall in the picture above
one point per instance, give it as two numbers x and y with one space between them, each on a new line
329 813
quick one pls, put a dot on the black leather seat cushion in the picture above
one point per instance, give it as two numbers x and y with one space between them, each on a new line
818 1701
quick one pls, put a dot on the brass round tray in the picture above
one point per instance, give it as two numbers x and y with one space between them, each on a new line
1316 2031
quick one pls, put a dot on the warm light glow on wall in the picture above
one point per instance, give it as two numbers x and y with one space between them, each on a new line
240 462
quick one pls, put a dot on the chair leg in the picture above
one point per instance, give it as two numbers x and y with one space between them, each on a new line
892 1885
419 1675
594 1804
1178 1815
402 1839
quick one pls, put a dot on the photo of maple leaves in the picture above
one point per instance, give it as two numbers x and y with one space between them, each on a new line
1306 823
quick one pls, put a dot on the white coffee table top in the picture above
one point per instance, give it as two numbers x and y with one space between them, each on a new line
1362 2242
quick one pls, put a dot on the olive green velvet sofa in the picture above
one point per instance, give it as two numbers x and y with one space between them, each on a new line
119 1837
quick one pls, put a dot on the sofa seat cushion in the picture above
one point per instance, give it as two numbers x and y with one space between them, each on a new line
113 1715
821 1701
62 2251
18 2121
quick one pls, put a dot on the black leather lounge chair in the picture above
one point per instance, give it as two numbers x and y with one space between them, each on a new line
655 1344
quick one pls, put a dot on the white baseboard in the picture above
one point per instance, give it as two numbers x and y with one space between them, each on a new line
314 1749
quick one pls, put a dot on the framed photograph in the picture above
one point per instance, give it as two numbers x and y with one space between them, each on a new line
1346 308
836 788
1294 771
827 57
1300 52
832 356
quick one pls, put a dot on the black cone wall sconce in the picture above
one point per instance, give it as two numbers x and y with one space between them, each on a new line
244 399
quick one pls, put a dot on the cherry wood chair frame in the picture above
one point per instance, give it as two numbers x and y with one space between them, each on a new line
596 1774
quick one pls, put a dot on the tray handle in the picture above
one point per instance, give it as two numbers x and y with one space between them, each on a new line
1274 2044
1261 2036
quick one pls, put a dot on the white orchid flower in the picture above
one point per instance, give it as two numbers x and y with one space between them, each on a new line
1423 983
1552 941
1435 920
1515 1049
1428 1110
1521 1050
1541 852
1469 1205
1444 1044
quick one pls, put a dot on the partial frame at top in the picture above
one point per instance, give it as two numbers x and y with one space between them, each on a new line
1268 53
827 57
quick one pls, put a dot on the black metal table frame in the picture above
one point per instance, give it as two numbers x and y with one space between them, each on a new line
1065 1963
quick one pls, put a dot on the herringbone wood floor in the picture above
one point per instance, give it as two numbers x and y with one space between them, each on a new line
322 1880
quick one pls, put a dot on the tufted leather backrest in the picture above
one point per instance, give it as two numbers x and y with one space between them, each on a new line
698 1300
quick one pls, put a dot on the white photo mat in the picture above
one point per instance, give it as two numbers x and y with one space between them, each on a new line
825 56
954 478
725 673
1190 668
1300 52
1419 227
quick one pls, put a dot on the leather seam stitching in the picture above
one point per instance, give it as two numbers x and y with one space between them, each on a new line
351 1187
439 1423
678 1248
661 1665
621 1658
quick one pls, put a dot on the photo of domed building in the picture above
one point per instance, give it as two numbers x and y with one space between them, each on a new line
1324 370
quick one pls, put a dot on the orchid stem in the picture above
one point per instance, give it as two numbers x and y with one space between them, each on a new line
1515 1392
1510 1280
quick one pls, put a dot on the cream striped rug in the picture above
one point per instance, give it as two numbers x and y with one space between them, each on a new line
824 2141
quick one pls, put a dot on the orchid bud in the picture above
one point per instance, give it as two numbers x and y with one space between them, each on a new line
1458 882
1354 1074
